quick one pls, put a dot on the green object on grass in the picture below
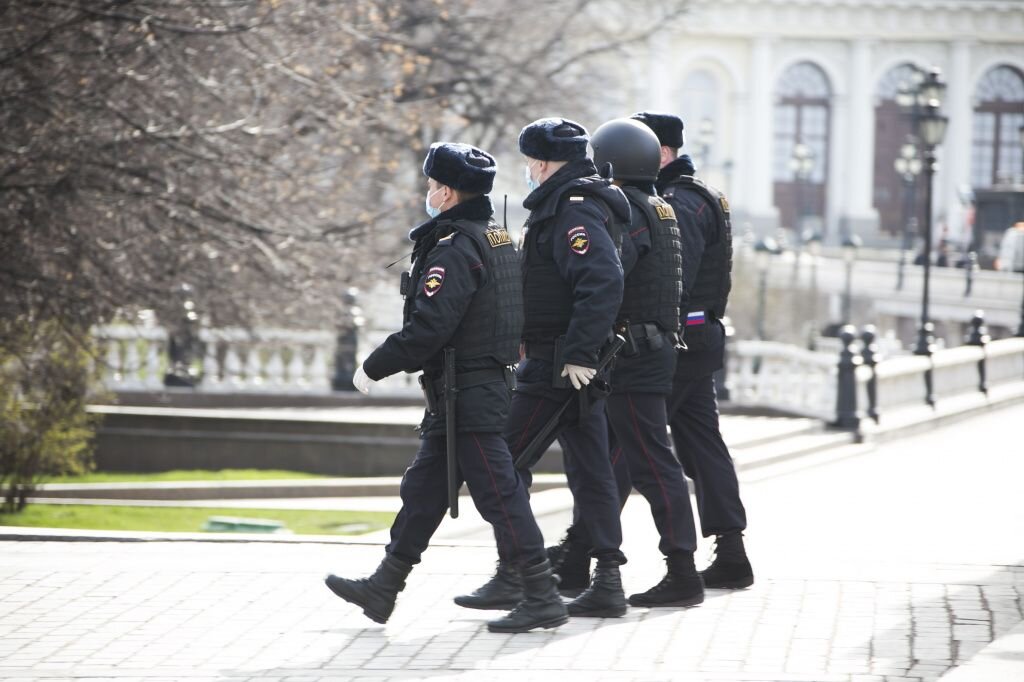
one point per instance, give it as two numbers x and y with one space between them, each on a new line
186 475
235 524
191 519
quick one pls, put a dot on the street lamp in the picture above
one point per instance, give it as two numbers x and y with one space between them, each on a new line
908 165
812 240
850 244
930 127
705 138
802 164
347 342
763 248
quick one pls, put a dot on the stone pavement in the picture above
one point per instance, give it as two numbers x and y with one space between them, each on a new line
892 563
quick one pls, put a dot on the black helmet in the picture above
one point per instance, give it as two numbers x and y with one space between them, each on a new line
630 147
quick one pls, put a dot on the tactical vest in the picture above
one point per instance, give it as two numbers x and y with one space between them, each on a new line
548 297
492 324
710 288
655 285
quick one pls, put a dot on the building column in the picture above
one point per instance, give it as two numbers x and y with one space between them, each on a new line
757 184
955 168
858 212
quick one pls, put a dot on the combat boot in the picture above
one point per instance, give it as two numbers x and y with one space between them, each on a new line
376 594
731 569
681 585
503 591
570 560
604 598
541 606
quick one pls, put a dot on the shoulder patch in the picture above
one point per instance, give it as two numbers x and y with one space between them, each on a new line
435 278
663 208
498 237
579 240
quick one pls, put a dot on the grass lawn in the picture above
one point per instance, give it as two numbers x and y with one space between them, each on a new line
191 519
186 475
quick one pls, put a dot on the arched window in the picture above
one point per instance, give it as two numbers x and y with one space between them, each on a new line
699 109
996 156
802 120
896 201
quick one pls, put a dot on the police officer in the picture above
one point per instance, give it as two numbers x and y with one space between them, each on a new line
463 293
642 378
572 291
703 215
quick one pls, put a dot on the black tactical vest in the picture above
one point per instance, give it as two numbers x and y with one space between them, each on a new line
548 297
655 285
710 289
492 325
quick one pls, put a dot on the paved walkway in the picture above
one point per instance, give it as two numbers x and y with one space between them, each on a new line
894 563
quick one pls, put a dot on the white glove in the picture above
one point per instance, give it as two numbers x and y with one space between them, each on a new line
579 376
362 382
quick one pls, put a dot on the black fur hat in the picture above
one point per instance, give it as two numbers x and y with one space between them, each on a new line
462 167
667 127
554 139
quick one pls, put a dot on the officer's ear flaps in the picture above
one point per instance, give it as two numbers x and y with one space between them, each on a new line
605 171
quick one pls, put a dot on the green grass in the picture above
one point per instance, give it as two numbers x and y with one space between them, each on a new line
189 519
186 475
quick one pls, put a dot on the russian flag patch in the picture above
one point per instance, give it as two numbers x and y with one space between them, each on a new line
693 319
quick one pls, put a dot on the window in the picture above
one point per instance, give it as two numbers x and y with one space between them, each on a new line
996 156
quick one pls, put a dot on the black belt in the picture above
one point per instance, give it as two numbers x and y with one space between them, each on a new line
645 330
433 387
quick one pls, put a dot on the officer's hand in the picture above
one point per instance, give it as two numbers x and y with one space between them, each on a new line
579 376
362 382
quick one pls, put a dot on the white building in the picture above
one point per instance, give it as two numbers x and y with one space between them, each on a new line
769 74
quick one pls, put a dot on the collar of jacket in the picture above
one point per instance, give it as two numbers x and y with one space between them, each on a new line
642 185
477 208
681 166
543 201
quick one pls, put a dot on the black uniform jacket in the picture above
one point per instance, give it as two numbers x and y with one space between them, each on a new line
595 277
697 225
435 318
648 371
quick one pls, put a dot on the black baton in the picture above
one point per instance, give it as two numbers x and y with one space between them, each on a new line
450 391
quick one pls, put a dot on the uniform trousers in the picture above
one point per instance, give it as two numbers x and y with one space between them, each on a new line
705 456
498 491
588 467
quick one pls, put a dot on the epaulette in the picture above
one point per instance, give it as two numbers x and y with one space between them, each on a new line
576 197
446 241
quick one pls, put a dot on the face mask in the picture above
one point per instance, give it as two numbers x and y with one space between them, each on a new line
431 211
531 184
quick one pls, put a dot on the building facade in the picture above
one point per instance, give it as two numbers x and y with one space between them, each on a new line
790 106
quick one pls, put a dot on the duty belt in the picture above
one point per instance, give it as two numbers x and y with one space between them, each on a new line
433 388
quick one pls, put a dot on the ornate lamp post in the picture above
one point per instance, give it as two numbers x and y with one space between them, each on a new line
705 140
908 165
930 127
763 249
812 239
850 245
802 165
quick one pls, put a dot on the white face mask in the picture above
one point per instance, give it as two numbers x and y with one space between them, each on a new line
528 177
432 211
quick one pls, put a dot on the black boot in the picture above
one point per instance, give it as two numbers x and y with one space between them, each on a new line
377 593
570 560
681 585
731 569
541 606
503 591
604 598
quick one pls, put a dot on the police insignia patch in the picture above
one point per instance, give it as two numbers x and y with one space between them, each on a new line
579 240
435 278
724 203
497 238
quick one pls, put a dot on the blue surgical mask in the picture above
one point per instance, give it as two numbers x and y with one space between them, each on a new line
531 184
431 211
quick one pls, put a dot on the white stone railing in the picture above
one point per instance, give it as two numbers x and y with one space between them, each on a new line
792 379
782 376
267 360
